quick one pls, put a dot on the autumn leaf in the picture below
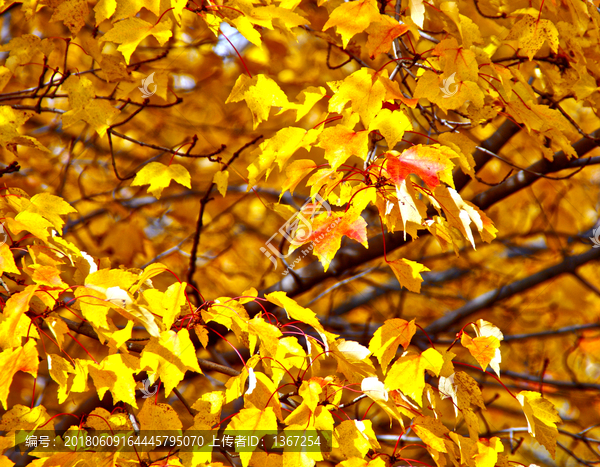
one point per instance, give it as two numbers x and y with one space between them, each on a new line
431 163
532 33
389 337
352 18
14 323
10 137
326 234
382 33
408 373
408 273
260 93
295 172
220 179
374 388
84 105
115 374
391 125
159 176
417 12
158 417
356 437
340 143
169 357
278 149
485 348
13 360
256 422
7 260
130 32
432 432
542 418
310 96
362 89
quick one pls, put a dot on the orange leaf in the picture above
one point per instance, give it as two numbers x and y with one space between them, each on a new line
382 33
327 233
485 348
431 163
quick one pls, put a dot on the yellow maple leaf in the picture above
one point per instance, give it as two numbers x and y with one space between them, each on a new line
391 125
485 348
309 96
159 176
50 207
408 273
72 13
209 408
84 106
14 324
356 437
363 89
30 222
542 418
353 360
389 337
408 373
158 416
220 179
278 149
432 432
131 31
10 138
167 304
115 374
260 93
17 359
169 357
340 143
256 422
295 172
295 311
487 452
531 33
352 18
7 260
461 214
382 33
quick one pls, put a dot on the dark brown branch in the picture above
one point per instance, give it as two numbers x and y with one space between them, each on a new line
203 202
570 264
10 168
